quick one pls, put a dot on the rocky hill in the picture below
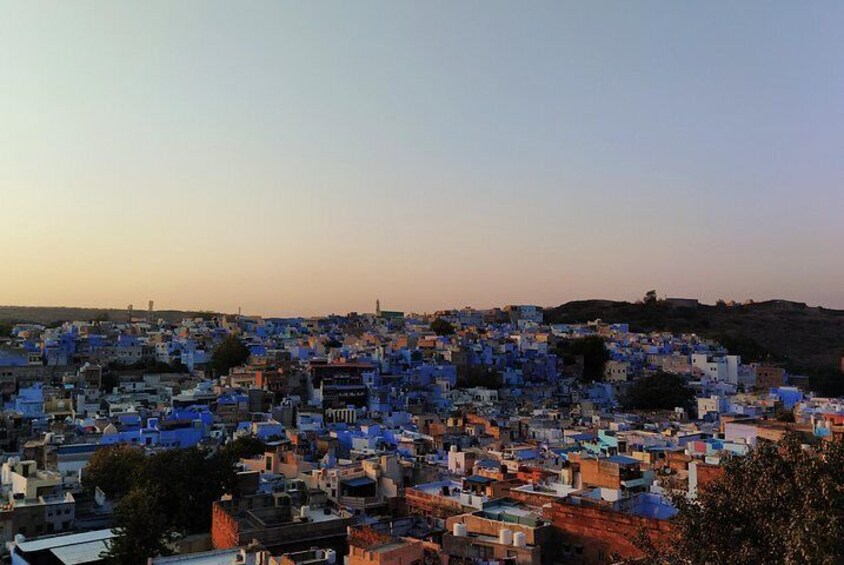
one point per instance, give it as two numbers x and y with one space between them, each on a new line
803 338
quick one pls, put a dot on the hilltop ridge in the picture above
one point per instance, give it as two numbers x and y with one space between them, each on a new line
52 314
802 337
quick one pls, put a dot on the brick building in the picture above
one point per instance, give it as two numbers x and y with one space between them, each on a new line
768 377
594 533
273 522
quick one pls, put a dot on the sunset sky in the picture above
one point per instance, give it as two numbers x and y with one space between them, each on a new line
310 157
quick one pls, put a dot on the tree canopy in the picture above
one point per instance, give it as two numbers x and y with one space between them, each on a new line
441 326
113 469
660 391
165 494
469 376
780 504
230 353
142 529
594 353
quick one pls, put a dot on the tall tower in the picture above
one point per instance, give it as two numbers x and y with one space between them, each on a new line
378 307
129 312
150 312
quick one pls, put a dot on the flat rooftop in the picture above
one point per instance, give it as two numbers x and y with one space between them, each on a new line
216 557
41 544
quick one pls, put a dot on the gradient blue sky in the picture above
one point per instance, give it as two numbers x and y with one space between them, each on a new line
301 158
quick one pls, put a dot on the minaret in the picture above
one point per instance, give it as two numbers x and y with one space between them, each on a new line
378 307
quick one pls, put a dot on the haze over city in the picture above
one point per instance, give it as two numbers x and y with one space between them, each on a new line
306 158
399 283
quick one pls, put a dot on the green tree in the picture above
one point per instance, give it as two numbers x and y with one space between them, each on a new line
230 353
780 504
109 380
441 326
170 491
176 366
229 454
594 352
826 381
142 527
783 414
114 469
741 344
188 483
470 376
660 391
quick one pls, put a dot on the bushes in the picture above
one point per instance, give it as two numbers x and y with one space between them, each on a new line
660 391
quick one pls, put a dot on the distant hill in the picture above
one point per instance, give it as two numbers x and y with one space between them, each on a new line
803 338
53 314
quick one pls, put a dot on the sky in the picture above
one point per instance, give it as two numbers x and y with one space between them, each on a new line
309 157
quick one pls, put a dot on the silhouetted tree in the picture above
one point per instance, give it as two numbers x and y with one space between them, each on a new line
594 352
470 376
783 414
441 326
660 391
172 491
188 482
142 527
229 454
230 353
827 381
114 469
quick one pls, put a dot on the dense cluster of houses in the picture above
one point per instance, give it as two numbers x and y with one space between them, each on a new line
386 442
